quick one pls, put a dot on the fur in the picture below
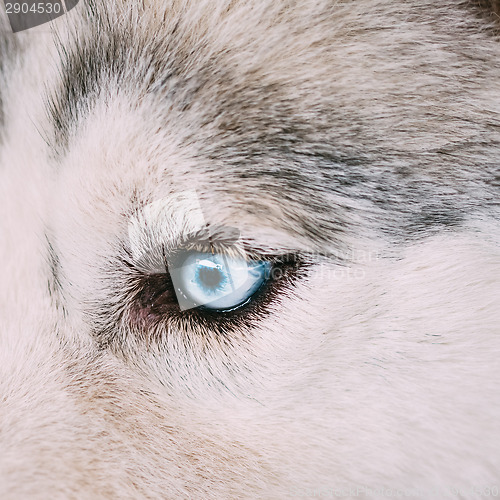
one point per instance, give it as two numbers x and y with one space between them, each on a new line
360 139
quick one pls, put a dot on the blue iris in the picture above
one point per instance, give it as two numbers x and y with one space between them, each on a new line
217 281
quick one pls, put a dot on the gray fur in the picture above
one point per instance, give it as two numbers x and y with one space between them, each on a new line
290 132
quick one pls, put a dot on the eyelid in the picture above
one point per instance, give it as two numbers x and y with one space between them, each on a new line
210 240
161 230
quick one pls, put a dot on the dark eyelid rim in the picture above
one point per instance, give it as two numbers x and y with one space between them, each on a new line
205 241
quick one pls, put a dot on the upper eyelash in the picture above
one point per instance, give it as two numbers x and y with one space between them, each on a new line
159 256
218 240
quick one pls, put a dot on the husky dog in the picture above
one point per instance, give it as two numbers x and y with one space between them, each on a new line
251 249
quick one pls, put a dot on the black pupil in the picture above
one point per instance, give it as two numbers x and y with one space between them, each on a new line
210 277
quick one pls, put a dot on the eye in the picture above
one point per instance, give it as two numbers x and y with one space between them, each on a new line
217 281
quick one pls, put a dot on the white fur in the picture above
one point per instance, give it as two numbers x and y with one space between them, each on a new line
381 373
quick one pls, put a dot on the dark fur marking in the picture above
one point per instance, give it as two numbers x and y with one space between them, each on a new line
490 8
488 13
263 136
53 279
104 55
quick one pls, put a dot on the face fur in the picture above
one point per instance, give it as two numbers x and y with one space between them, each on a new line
338 161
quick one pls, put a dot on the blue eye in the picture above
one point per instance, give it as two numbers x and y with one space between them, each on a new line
217 281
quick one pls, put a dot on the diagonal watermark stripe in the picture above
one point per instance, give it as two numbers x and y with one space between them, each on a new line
27 14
